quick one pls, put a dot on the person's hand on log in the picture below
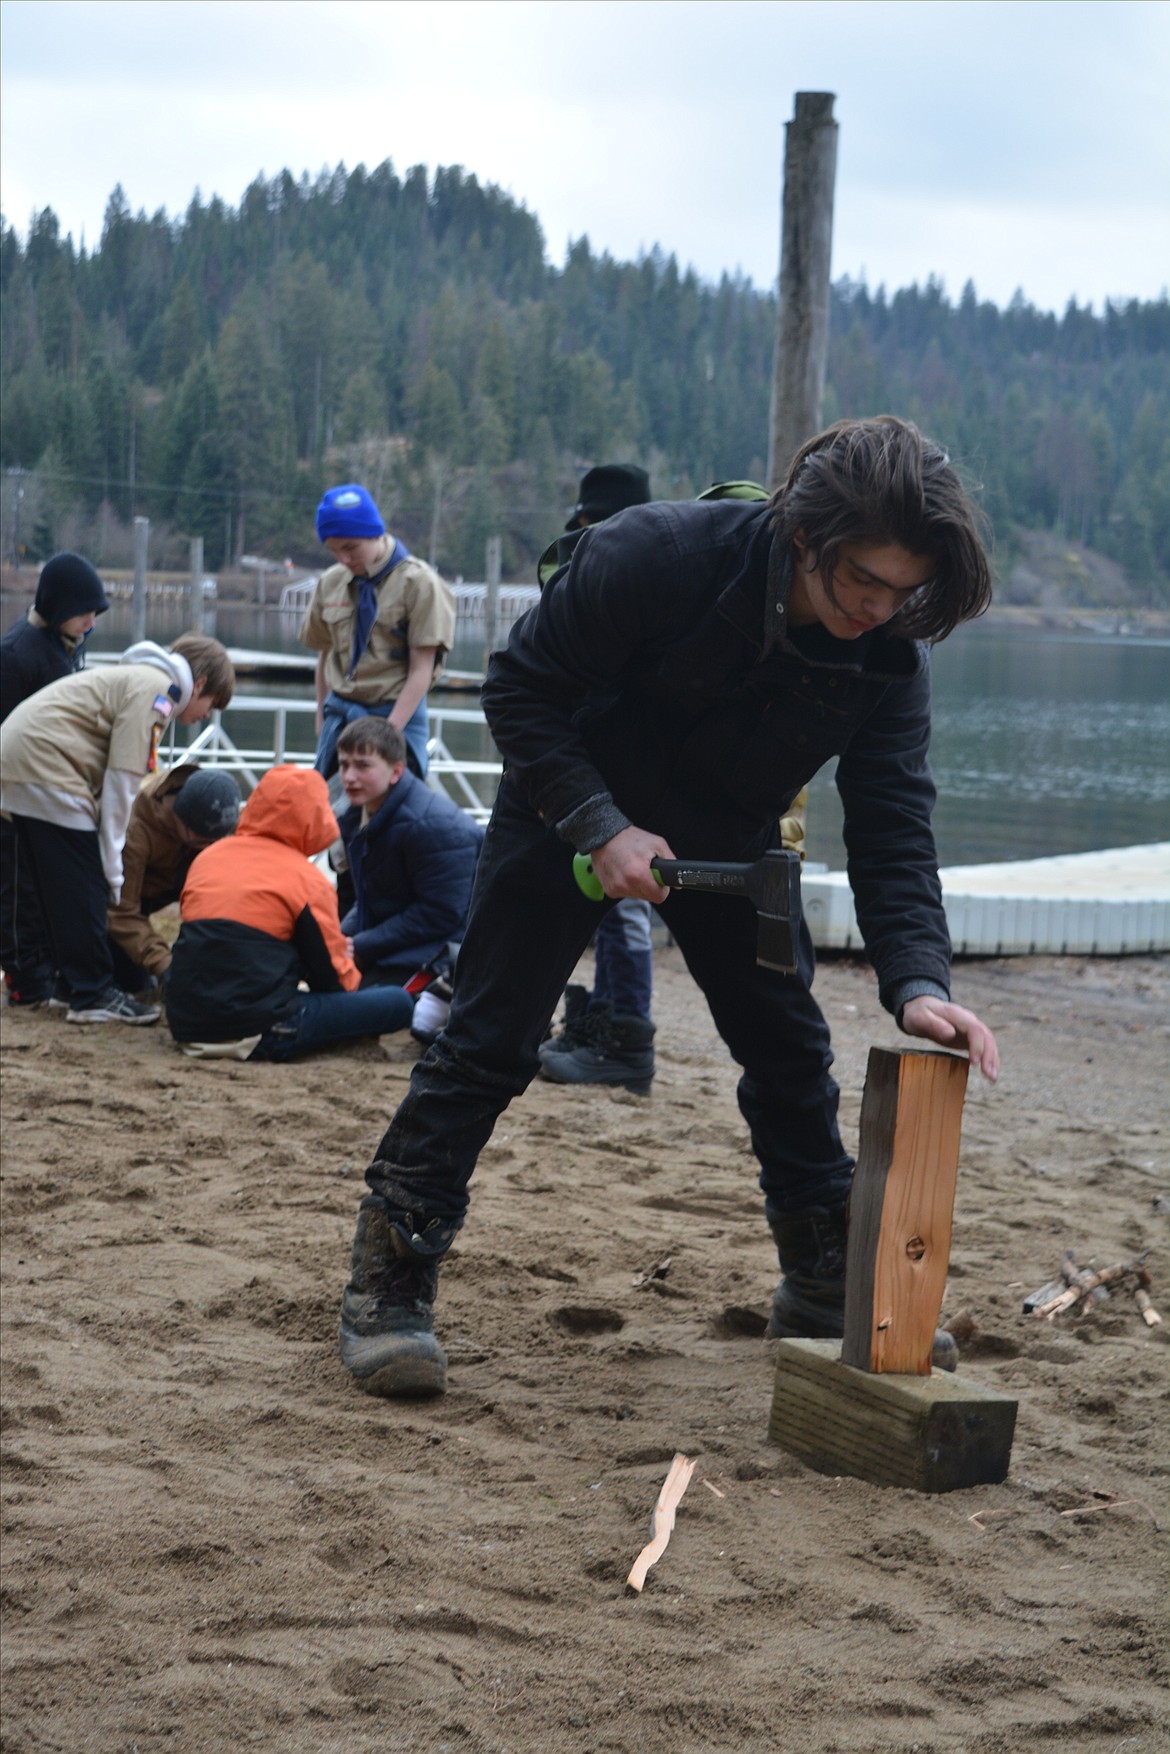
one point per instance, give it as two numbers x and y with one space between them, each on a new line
622 864
952 1027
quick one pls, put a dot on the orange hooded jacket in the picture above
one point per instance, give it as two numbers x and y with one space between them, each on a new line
258 918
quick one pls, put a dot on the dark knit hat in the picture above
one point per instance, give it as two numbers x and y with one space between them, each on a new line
609 488
208 804
68 586
348 512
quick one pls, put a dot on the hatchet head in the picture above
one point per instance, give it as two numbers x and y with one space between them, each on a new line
773 888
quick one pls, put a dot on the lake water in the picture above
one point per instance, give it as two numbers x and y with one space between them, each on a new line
1043 743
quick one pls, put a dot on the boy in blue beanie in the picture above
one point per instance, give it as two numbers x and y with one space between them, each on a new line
381 621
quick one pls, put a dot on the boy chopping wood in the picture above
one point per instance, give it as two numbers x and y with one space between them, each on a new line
680 680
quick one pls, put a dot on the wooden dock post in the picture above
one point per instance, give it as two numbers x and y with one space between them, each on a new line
868 1405
802 314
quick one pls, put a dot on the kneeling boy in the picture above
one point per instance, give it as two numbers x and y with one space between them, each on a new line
258 920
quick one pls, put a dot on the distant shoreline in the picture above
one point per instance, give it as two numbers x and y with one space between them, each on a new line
1117 620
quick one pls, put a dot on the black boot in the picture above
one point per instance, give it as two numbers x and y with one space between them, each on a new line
810 1299
619 1050
575 1024
388 1339
809 1303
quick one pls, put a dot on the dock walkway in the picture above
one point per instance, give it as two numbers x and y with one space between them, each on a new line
1109 903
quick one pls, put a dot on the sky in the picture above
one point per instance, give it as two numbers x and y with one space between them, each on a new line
1021 144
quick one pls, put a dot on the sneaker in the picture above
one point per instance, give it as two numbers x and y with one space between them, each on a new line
387 1338
431 1013
618 1051
115 1006
21 1001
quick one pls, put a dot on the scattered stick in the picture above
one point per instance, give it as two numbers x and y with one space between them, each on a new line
1113 1504
714 1489
658 1271
1142 1298
1004 1510
1045 1294
662 1521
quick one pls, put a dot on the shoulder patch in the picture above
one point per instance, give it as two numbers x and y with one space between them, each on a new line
161 704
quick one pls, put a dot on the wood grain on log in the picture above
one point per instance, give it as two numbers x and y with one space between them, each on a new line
901 1209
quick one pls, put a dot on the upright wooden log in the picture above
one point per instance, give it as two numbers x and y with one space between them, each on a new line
901 1209
869 1405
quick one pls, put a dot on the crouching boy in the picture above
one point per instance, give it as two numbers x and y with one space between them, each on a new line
258 919
175 816
72 757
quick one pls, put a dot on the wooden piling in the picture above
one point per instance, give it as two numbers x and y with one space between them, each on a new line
802 320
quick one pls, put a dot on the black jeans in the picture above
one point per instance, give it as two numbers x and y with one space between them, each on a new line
74 896
528 926
26 954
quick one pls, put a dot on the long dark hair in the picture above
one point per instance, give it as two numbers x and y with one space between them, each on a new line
880 480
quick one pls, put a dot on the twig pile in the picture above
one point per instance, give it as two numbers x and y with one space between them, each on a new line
1078 1287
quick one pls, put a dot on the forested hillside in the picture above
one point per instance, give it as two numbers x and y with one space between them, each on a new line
214 372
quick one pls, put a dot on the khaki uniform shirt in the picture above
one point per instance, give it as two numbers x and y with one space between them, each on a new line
415 608
63 738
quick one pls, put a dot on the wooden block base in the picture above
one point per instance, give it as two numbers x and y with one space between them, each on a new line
931 1433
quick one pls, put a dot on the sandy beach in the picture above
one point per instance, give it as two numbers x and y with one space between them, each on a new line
212 1540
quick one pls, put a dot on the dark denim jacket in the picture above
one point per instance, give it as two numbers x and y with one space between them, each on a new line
657 682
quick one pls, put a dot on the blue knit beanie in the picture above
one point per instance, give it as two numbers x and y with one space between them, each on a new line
348 512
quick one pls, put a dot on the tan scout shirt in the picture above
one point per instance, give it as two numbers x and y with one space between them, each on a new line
64 737
415 608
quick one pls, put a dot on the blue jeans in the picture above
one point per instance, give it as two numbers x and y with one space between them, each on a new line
623 975
528 926
325 1018
338 713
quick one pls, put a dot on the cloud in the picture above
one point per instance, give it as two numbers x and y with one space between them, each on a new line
1005 140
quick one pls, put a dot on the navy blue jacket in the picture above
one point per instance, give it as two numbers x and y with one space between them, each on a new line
658 682
412 868
30 657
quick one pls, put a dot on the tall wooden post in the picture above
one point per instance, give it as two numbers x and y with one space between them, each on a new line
195 604
494 558
138 603
802 324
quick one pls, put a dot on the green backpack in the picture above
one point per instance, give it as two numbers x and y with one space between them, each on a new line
560 549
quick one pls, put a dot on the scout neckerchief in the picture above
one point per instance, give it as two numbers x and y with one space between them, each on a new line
367 603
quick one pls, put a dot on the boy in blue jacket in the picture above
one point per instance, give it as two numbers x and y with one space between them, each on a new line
412 855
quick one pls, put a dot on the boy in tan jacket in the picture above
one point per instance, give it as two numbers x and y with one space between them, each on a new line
72 757
175 816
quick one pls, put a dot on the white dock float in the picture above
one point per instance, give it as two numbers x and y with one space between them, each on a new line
1110 903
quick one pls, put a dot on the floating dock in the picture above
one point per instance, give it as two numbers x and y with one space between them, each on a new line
1110 903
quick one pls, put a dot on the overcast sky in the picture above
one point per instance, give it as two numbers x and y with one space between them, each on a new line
1018 144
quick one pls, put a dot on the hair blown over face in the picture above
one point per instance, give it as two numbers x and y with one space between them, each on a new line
881 481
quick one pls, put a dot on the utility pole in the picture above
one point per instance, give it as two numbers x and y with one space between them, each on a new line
802 322
138 607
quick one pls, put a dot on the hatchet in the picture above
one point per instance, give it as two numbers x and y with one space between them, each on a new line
771 884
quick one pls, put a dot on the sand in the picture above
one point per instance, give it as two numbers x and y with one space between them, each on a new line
212 1540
